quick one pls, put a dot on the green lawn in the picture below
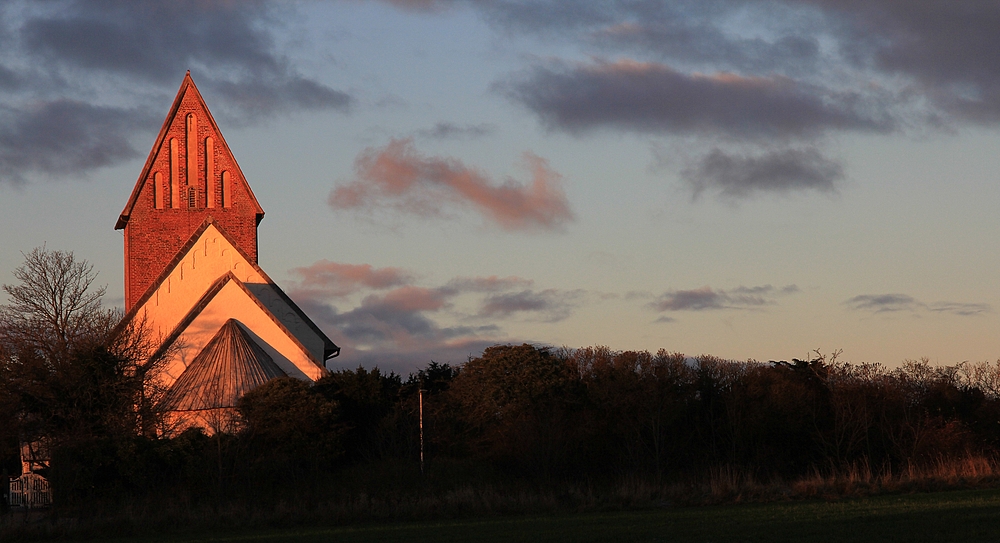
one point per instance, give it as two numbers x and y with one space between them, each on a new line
944 516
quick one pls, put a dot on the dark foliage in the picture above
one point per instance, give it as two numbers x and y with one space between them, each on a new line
518 414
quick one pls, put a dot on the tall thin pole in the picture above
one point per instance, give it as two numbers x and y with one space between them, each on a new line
420 393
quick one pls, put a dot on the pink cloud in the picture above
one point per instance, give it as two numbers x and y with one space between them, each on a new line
409 299
338 280
397 176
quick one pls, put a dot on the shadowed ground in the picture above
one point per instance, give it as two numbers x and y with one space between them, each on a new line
944 516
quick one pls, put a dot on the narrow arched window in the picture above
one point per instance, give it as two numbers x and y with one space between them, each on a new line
158 190
227 189
175 182
209 172
192 150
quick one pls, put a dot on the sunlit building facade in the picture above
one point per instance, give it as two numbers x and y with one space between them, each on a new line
221 324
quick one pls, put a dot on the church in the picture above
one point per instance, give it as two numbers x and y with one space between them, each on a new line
221 325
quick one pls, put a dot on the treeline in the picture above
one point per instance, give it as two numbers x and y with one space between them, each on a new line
601 415
519 426
538 417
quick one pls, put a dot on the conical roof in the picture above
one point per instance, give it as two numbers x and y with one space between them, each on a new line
229 366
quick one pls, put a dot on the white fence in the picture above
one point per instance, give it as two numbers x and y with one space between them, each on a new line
30 490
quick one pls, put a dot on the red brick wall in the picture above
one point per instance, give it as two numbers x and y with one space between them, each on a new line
154 236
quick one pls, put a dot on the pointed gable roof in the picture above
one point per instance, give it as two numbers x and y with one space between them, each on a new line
229 295
231 365
187 86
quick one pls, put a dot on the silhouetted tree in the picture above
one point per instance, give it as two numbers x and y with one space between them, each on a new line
518 404
365 400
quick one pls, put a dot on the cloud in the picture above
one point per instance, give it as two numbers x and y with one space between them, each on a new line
781 170
151 40
488 284
552 304
937 59
704 298
947 54
414 357
676 37
397 177
419 6
654 98
64 137
388 317
889 303
881 303
960 308
451 131
100 62
334 279
267 95
952 51
395 318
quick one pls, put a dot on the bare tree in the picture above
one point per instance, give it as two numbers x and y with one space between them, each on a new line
69 366
55 307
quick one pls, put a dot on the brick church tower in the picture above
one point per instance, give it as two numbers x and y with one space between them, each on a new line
190 175
192 280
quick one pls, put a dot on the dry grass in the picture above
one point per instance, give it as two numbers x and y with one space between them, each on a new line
861 480
722 485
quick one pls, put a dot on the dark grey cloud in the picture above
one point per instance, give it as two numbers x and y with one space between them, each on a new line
705 298
654 98
946 52
817 67
551 305
881 303
960 308
419 6
889 303
950 49
783 170
452 131
9 79
64 137
268 95
98 62
152 40
397 320
691 31
704 43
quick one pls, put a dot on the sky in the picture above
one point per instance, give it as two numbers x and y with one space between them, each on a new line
747 179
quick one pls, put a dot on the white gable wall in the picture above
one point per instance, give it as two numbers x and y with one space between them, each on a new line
211 257
232 301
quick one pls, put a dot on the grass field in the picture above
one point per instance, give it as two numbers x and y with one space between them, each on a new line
969 515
